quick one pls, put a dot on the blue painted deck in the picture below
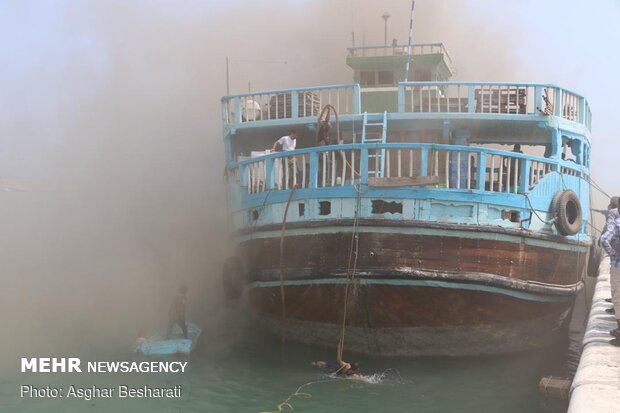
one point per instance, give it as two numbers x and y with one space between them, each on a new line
506 182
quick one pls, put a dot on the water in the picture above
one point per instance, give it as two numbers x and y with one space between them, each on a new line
239 369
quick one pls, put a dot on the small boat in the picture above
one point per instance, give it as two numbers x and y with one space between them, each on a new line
158 345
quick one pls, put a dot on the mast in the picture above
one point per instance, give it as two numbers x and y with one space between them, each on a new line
409 43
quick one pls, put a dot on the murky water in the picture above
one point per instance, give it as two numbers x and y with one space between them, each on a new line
239 369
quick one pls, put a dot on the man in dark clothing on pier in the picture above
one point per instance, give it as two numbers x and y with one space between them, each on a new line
610 240
610 215
177 312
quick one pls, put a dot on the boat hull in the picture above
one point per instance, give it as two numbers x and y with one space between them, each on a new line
417 291
396 320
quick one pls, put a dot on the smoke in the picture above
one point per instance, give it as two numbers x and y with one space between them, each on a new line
110 114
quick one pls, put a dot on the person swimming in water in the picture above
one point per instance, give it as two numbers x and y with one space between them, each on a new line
340 367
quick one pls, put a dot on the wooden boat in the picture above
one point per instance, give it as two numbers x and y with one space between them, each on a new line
158 345
417 231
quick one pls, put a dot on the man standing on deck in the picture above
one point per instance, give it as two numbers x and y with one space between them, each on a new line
288 143
177 312
610 240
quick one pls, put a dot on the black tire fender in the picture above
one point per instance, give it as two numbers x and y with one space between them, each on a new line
594 259
567 211
233 278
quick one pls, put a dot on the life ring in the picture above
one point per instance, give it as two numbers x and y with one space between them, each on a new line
566 209
233 278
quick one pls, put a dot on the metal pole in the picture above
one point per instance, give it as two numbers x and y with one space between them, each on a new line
227 78
385 34
385 16
409 43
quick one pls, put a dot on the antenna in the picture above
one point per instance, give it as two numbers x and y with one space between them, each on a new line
409 43
385 16
227 78
352 27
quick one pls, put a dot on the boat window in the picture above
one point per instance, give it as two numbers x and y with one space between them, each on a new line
302 209
254 215
386 77
325 208
511 215
380 206
422 75
367 78
570 149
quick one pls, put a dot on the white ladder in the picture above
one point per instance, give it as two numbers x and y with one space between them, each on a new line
372 134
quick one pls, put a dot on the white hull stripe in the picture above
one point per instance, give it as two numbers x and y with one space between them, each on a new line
417 283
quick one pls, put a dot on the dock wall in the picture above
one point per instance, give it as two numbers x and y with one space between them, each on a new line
596 386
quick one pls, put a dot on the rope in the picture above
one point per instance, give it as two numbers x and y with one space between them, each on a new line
597 186
543 220
373 379
286 404
353 254
326 112
282 296
327 109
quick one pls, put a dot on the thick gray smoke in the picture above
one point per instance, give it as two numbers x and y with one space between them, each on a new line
110 118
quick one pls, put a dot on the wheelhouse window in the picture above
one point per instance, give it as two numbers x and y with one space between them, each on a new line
386 77
367 78
422 75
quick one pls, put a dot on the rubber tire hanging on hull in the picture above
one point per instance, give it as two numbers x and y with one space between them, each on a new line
233 278
566 209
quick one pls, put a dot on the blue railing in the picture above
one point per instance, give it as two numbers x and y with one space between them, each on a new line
493 98
290 103
472 98
451 167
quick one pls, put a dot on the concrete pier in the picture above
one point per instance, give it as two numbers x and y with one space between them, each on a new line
596 386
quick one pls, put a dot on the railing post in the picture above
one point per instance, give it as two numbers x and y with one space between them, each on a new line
270 173
557 110
538 91
364 165
237 110
295 105
401 98
424 162
225 112
481 171
313 170
357 99
471 98
582 110
524 178
243 175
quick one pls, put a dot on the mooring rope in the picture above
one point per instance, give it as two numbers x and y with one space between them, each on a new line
286 404
352 268
282 296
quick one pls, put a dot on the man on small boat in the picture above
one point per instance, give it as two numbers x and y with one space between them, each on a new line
177 312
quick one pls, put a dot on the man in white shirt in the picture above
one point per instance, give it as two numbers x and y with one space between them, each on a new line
288 142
